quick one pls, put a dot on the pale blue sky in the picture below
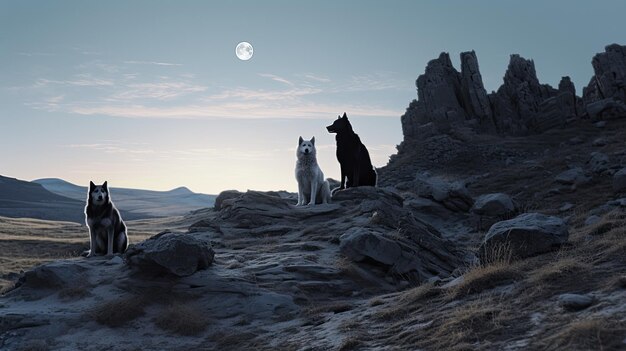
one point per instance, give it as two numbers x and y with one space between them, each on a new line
149 94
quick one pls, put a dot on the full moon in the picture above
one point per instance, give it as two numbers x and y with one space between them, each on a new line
244 51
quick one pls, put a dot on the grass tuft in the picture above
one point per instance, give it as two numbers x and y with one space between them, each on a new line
484 277
119 312
183 319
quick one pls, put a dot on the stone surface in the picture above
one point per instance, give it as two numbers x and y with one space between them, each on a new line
609 75
599 142
575 302
619 181
598 162
175 253
447 97
225 196
593 219
452 195
497 204
526 235
574 176
566 207
521 105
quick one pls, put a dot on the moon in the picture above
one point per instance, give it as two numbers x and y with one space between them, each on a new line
244 51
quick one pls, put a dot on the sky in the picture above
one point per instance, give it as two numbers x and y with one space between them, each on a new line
150 94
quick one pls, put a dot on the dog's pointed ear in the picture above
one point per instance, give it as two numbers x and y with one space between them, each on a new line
338 116
91 185
300 140
313 140
345 116
105 185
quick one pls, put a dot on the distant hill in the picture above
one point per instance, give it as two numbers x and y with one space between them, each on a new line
141 203
19 198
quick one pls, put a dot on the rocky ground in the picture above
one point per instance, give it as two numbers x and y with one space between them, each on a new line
474 240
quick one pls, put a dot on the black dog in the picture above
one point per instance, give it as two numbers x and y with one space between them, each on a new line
107 231
352 155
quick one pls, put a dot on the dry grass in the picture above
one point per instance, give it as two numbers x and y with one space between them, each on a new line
484 277
182 318
590 334
408 302
334 307
233 340
118 312
619 282
555 272
455 329
497 253
376 302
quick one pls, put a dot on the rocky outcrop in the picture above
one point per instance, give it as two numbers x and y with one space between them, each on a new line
525 235
606 92
497 204
521 105
452 195
225 196
474 94
598 162
619 181
175 253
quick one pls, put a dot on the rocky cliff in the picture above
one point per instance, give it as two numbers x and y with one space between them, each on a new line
448 98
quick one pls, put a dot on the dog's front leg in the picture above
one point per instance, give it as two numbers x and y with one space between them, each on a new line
300 195
343 178
92 242
110 235
314 187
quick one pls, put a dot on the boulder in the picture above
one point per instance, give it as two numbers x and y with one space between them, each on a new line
593 219
497 204
225 195
598 162
599 142
566 207
619 181
606 109
573 176
575 302
452 195
175 253
359 244
525 235
417 251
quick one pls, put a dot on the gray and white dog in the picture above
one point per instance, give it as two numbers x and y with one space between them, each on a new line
107 231
312 187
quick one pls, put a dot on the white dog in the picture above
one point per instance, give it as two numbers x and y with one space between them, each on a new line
312 187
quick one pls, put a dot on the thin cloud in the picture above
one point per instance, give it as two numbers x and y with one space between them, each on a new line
233 110
264 95
152 63
82 80
114 148
316 78
159 91
276 78
33 54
